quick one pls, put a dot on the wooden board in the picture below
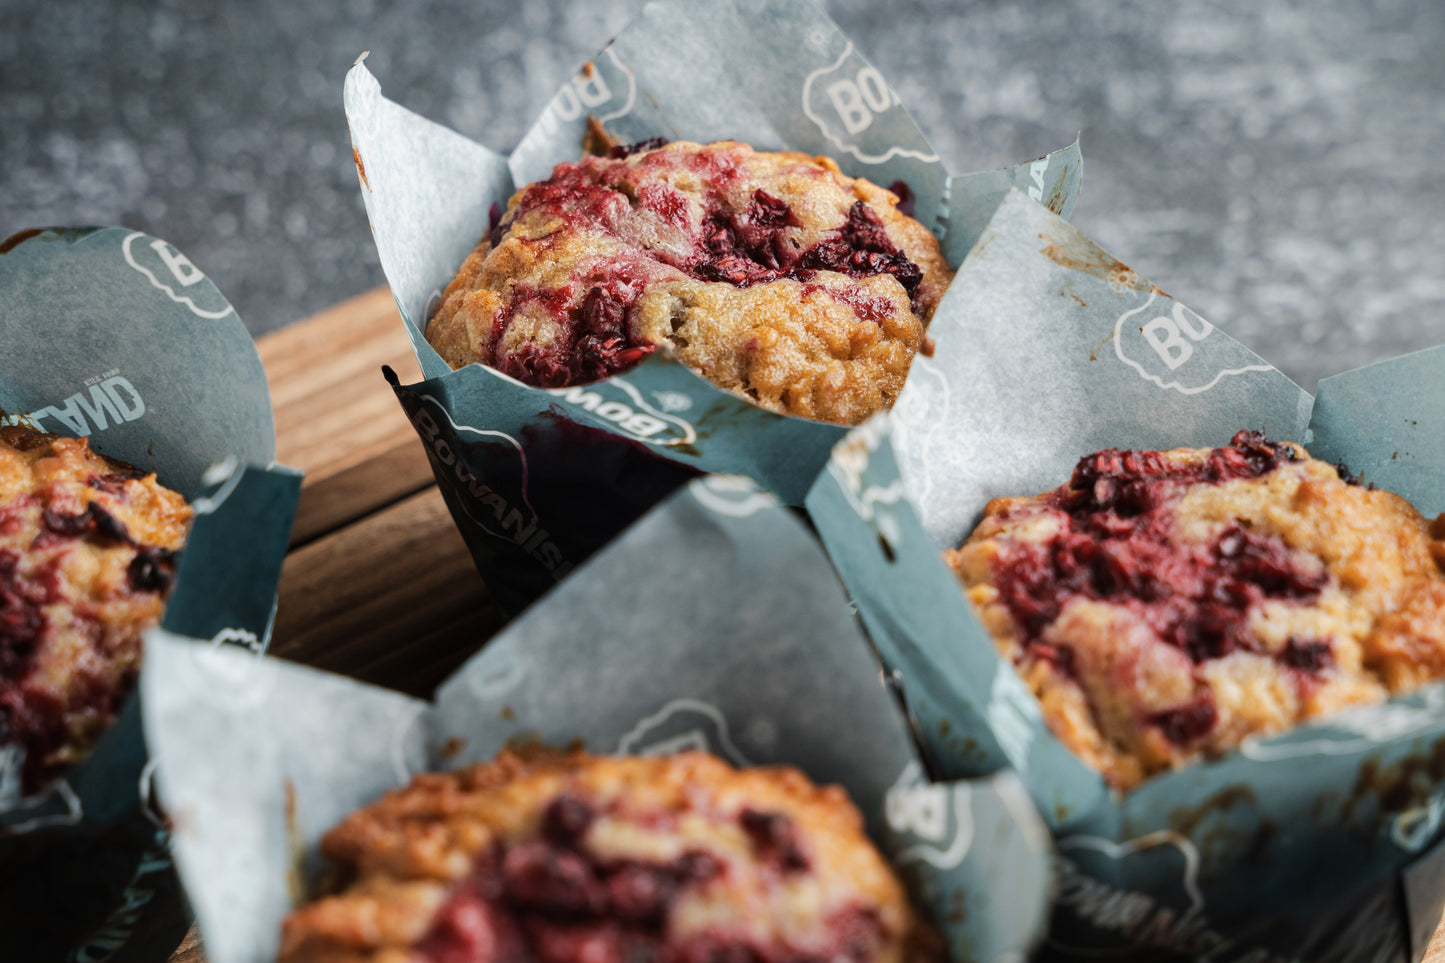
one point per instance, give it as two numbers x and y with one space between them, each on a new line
372 534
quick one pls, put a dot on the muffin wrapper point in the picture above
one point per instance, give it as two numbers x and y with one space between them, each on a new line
775 74
746 648
117 336
1322 843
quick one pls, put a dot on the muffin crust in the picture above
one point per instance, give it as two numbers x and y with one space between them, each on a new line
1165 606
87 554
559 857
771 274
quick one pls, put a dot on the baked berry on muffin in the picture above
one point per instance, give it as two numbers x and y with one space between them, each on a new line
555 858
771 274
1165 606
87 554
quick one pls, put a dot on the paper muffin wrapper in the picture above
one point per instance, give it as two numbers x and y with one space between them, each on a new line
117 336
772 73
714 623
1317 844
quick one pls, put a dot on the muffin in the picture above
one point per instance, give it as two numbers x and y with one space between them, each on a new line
771 274
1165 606
554 857
87 553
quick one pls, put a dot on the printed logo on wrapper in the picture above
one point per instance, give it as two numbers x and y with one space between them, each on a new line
1362 730
849 464
1139 918
171 271
940 816
55 805
732 495
104 401
1417 827
1353 731
845 98
223 477
490 510
672 401
638 420
1167 348
605 88
679 726
1037 171
501 673
1145 921
240 685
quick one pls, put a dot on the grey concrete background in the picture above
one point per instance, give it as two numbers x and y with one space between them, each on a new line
1271 164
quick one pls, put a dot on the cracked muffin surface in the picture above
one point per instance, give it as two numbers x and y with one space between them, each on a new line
1165 606
771 274
551 857
87 554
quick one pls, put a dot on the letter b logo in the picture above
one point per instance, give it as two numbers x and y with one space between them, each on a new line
1174 350
855 109
179 265
857 99
168 270
1172 337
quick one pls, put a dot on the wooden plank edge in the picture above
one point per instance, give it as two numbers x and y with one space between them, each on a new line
332 502
374 589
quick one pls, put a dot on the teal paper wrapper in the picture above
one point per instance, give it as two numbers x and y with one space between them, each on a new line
745 647
115 335
1319 844
775 74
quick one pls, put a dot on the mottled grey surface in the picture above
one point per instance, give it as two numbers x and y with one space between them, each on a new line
1270 164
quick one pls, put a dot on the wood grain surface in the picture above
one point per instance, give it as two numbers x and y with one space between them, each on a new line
372 534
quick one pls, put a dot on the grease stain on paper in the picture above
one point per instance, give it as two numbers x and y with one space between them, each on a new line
1081 254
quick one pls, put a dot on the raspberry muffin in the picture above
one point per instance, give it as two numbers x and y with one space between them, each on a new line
771 274
87 553
556 858
1164 606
